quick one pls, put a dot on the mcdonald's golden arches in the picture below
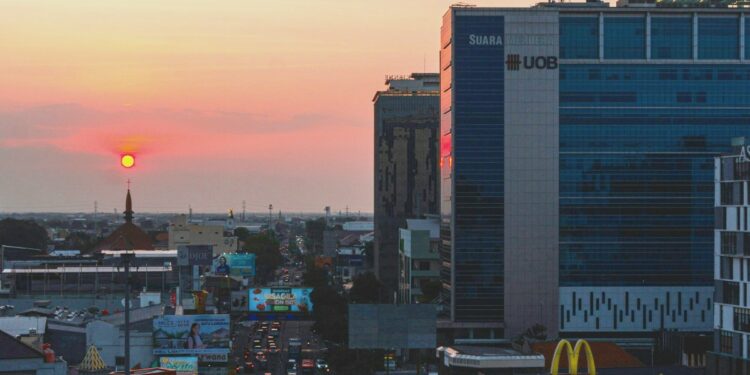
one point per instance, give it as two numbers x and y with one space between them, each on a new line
573 356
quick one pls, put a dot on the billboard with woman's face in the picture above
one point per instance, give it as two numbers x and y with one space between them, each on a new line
280 300
191 334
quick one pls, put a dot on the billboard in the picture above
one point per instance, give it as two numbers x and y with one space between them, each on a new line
191 334
194 255
388 326
280 300
234 265
183 365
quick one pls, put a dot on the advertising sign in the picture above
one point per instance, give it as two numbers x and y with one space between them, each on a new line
183 365
191 334
280 300
235 265
194 255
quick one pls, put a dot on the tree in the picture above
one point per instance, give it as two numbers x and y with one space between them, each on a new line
366 288
242 234
24 233
314 233
267 255
80 241
369 253
315 277
330 314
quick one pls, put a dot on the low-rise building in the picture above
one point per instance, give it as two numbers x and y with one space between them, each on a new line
419 258
182 232
731 354
17 357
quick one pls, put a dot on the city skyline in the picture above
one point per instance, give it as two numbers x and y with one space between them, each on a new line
283 109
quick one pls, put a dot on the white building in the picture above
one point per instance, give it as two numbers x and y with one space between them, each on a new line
731 263
215 234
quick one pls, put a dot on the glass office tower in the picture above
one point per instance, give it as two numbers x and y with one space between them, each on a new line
577 163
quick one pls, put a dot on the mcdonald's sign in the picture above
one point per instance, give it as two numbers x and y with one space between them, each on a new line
573 356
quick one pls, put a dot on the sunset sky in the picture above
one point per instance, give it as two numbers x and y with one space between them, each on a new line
220 101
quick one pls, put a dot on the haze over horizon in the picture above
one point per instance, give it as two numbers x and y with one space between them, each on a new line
220 103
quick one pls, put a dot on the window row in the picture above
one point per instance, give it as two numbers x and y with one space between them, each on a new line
671 37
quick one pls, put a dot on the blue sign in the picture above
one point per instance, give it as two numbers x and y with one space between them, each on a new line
235 265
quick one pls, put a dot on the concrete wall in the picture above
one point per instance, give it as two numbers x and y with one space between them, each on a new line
32 366
110 340
531 175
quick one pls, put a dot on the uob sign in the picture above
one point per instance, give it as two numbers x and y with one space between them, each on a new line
514 62
574 355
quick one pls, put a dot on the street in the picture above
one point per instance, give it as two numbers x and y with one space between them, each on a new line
291 326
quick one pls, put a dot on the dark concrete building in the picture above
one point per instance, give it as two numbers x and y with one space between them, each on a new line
406 163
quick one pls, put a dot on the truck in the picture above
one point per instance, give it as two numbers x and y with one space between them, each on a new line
295 348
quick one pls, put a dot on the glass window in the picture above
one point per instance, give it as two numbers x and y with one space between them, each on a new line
624 38
671 38
747 37
718 38
579 37
637 179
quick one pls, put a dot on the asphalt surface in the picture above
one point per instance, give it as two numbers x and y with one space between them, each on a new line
276 362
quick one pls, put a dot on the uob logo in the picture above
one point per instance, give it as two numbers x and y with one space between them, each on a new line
513 62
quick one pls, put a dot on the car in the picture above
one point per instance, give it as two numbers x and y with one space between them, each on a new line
291 367
321 364
274 332
261 357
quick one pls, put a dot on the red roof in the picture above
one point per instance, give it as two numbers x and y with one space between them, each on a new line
127 237
606 355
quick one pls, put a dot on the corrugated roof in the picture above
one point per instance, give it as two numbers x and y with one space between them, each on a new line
13 348
20 325
606 355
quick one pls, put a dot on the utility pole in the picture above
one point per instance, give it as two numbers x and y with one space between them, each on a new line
243 211
126 259
270 215
96 222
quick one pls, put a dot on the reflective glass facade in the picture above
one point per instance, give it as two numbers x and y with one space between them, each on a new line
718 38
636 134
636 170
579 37
477 172
672 37
624 37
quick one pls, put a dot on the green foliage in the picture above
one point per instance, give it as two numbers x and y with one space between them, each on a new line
24 233
366 288
267 255
314 233
242 234
369 252
79 241
315 277
329 314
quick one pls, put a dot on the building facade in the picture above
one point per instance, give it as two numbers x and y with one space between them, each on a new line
731 318
419 258
182 232
577 142
406 163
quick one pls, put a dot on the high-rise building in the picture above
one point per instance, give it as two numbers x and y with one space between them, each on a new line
406 169
731 354
577 145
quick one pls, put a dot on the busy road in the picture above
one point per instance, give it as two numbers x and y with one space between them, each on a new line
278 344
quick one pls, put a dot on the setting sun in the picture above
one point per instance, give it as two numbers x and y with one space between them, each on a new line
127 161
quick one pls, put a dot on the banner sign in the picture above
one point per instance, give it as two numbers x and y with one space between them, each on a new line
194 255
191 334
280 300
